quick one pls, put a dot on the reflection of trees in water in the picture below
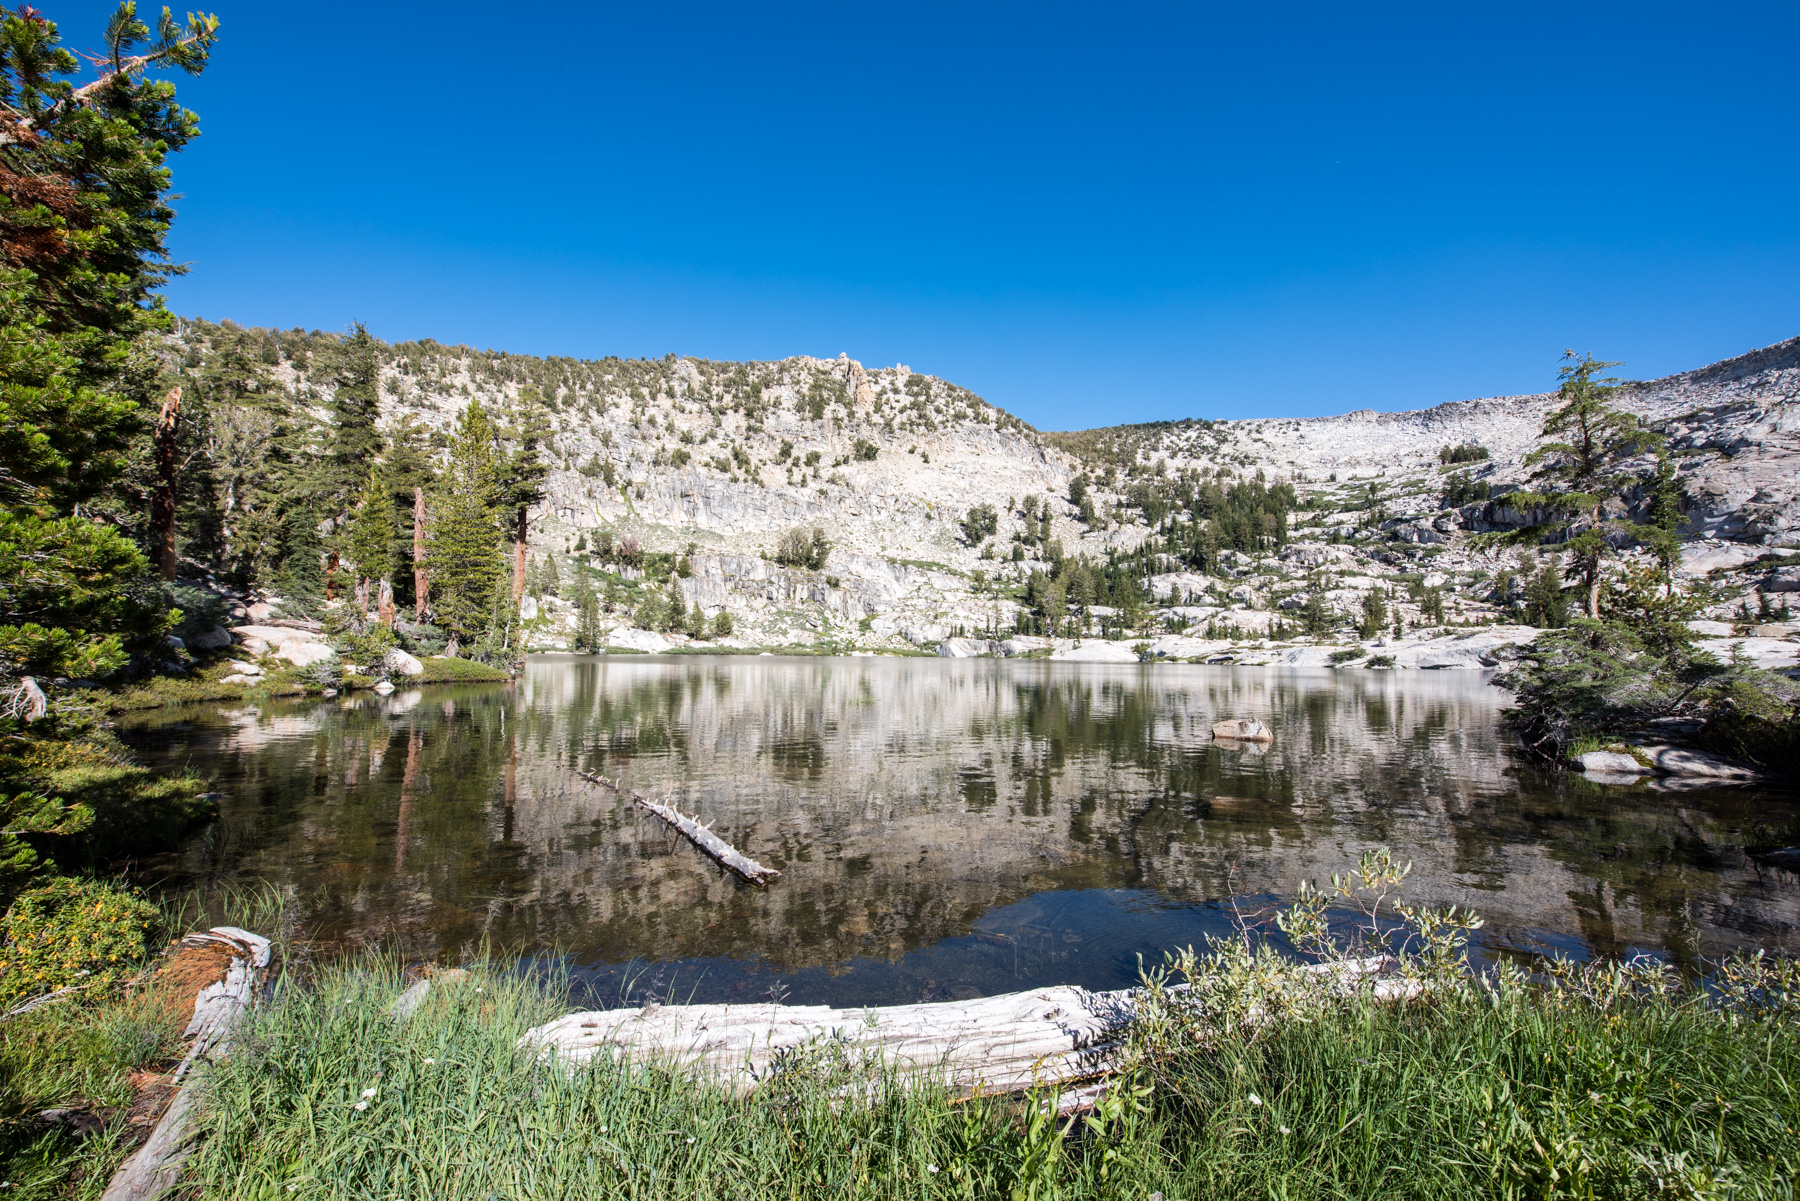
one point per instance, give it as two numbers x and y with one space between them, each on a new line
904 799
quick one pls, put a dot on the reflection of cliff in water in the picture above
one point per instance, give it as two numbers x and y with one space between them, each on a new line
904 798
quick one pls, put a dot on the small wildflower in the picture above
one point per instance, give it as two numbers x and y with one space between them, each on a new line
429 1061
931 1169
367 1093
690 1142
1255 1100
1285 1130
602 1130
360 1106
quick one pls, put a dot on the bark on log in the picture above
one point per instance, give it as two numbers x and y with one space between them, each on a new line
1043 1038
727 855
421 582
152 1171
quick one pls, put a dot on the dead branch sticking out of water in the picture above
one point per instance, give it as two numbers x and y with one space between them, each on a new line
699 835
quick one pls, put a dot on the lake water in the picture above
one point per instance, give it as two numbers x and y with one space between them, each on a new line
945 828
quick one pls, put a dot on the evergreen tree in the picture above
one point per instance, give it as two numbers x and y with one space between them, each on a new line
1579 467
355 410
587 614
369 536
83 215
465 535
526 431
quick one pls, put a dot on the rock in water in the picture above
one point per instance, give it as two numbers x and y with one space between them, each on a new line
1611 763
1243 729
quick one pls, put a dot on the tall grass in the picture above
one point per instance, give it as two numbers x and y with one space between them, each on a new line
1595 1083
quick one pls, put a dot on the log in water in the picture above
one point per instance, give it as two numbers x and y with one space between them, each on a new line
699 835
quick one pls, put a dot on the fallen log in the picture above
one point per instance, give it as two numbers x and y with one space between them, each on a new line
1052 1037
727 855
152 1170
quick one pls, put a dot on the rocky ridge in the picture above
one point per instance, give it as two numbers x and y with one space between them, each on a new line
725 457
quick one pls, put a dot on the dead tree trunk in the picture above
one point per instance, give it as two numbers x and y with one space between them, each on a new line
331 573
521 550
421 585
726 854
162 504
384 604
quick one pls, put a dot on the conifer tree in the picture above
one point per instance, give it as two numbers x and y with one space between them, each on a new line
355 409
526 430
369 536
83 215
1579 466
465 535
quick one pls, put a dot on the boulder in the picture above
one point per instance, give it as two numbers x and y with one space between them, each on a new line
237 677
399 663
632 639
304 653
1611 763
383 688
1775 629
260 611
966 648
1787 579
175 644
247 669
1242 729
1096 650
1679 761
1711 629
275 635
254 646
528 608
215 639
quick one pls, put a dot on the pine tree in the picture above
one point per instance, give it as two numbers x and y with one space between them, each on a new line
83 191
465 535
355 409
525 431
369 536
1579 465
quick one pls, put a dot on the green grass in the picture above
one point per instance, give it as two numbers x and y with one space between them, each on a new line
439 670
1629 1089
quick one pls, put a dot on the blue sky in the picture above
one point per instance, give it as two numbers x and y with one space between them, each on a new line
1086 214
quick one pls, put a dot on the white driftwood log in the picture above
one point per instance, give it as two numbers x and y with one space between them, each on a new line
699 835
152 1170
1044 1037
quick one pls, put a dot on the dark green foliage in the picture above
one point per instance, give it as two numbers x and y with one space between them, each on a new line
1463 489
722 624
66 931
465 556
1467 452
1546 604
356 404
800 547
866 450
1374 613
979 524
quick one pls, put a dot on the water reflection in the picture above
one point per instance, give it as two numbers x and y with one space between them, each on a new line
944 827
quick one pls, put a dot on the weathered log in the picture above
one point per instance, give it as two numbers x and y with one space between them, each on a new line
727 855
152 1170
1043 1038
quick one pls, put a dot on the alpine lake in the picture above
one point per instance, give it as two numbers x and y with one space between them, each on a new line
944 828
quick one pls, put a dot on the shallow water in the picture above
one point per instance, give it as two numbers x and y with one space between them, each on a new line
945 828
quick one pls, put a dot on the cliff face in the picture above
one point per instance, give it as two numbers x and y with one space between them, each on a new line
728 456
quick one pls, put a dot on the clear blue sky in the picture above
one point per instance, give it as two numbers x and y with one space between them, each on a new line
1086 214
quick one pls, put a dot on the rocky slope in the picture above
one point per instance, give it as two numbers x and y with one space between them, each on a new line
726 457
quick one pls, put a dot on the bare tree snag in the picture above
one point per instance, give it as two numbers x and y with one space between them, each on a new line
162 504
521 549
727 855
421 585
384 604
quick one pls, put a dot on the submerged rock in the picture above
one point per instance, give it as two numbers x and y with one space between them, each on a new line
1243 729
1611 763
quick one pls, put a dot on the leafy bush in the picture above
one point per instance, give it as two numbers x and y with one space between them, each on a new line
722 625
866 450
70 931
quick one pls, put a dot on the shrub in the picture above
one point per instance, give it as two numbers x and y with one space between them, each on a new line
722 625
866 450
800 547
1467 452
980 523
72 931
